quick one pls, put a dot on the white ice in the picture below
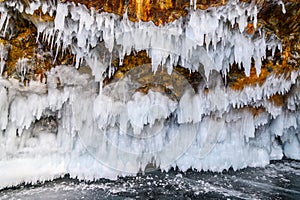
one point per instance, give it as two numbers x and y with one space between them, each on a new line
73 125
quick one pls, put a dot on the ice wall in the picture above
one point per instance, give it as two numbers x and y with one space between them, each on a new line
73 125
66 126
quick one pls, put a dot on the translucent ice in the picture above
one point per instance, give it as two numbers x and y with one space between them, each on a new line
73 124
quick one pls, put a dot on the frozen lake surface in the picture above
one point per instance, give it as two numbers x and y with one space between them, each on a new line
279 180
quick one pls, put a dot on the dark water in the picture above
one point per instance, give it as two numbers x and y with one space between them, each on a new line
279 180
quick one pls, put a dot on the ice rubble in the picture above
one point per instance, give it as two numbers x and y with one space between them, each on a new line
108 133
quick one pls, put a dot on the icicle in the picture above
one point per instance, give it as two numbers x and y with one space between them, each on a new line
61 12
283 7
4 20
44 8
255 17
3 54
32 7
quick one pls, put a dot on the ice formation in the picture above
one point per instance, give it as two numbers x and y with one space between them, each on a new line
189 42
73 125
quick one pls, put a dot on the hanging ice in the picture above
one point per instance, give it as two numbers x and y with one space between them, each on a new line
184 41
71 125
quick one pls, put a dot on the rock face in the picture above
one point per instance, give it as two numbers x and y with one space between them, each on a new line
103 88
157 11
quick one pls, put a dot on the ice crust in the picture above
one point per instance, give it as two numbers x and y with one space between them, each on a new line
106 132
